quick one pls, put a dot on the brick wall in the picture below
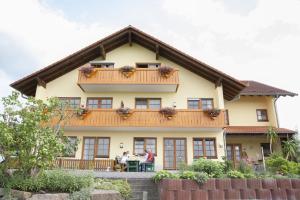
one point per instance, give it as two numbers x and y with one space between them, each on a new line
221 189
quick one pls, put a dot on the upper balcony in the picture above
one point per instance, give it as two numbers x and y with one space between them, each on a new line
142 80
149 120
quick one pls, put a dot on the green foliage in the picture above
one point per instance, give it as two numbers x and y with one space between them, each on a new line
213 169
119 185
235 174
201 177
189 175
279 165
163 174
31 136
290 148
228 164
51 181
83 194
244 168
272 136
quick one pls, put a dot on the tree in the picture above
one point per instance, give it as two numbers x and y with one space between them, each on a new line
31 133
290 148
272 136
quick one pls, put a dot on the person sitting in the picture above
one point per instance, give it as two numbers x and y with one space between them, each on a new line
124 159
149 158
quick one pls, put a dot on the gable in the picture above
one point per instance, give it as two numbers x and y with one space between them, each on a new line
27 85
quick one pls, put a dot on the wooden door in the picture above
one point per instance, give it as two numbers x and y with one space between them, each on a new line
174 152
234 152
89 148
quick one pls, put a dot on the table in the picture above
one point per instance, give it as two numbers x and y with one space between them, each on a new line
133 165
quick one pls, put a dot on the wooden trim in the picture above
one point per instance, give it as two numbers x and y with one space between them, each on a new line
227 122
147 99
99 101
174 153
202 139
267 118
145 138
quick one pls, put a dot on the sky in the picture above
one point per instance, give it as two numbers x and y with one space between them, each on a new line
249 40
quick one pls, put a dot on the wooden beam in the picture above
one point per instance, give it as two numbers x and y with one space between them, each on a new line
156 51
129 38
41 82
102 51
218 83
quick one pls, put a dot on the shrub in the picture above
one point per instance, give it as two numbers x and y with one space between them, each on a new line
228 164
278 165
245 168
189 175
213 169
163 174
119 185
235 174
51 181
83 194
201 177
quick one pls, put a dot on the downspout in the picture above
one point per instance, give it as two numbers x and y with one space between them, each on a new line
225 143
275 107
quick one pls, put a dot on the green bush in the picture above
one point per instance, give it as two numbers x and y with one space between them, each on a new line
83 194
213 169
51 181
162 175
235 174
119 185
201 178
279 165
190 175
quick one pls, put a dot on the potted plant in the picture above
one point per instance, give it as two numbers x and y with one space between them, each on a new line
88 71
127 71
166 71
213 113
124 112
82 112
168 112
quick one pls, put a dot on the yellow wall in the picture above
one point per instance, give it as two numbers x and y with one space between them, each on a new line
127 139
191 85
242 112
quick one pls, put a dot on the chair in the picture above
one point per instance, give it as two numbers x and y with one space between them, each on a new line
149 167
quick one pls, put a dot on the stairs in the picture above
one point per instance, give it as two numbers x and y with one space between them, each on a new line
143 184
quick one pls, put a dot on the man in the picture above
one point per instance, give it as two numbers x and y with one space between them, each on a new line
149 158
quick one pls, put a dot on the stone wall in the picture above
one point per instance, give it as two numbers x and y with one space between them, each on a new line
222 189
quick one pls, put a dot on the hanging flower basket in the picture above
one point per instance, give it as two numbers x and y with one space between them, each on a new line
213 113
168 112
82 112
127 71
88 71
124 113
166 71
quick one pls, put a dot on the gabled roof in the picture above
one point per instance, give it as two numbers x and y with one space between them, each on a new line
27 85
255 88
254 130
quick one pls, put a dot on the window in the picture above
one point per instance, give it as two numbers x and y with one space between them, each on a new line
70 146
226 117
72 102
142 144
204 103
193 104
262 115
266 148
147 103
102 64
148 65
96 147
94 103
207 104
204 147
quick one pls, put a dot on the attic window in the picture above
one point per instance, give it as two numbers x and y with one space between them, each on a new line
148 65
102 64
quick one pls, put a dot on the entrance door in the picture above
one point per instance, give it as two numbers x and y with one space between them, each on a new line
89 148
174 152
234 152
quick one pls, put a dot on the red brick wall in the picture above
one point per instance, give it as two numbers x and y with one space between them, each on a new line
221 189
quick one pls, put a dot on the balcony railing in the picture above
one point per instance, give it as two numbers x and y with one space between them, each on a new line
98 165
142 80
108 118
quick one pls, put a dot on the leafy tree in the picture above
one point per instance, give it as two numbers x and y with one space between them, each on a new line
273 137
31 134
290 148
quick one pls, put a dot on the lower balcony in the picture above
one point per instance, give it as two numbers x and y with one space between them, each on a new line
151 120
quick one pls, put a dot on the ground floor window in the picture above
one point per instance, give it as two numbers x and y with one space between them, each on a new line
174 152
95 147
204 147
142 144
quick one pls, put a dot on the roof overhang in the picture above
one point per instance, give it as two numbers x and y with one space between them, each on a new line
27 85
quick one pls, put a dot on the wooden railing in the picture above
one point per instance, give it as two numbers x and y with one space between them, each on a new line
98 165
140 76
148 118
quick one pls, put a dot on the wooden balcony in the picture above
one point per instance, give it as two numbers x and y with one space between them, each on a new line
108 119
143 80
